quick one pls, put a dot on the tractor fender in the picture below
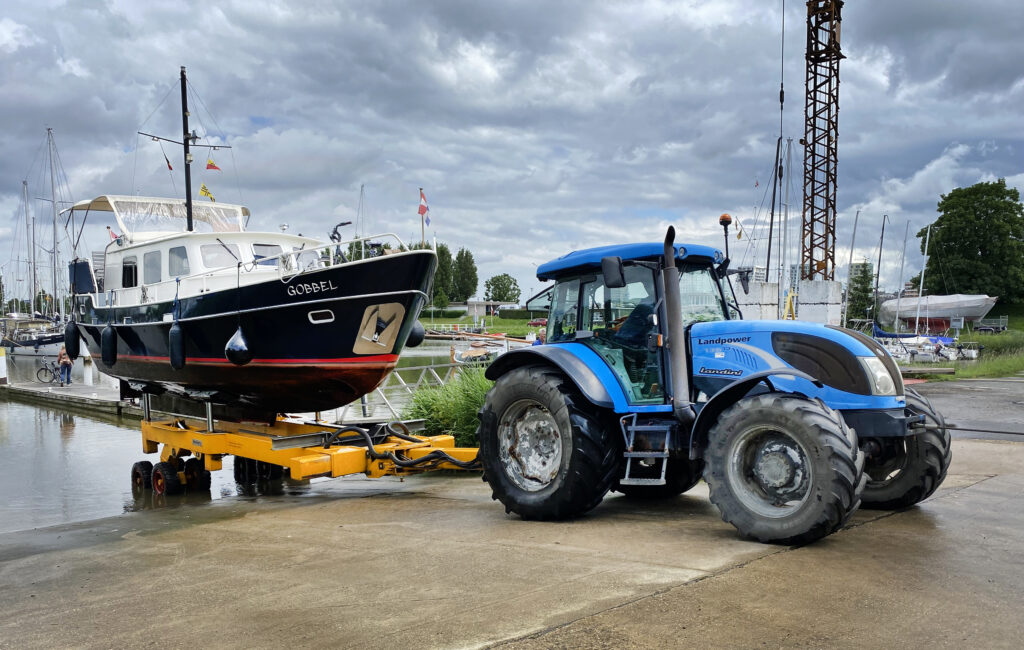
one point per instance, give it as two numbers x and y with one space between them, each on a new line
728 396
579 363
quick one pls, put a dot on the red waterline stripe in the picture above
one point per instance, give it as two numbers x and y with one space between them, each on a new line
385 358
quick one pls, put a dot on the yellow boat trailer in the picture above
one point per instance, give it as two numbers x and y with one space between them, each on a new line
191 448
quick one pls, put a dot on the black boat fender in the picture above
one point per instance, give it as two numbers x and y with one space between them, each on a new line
416 335
72 340
176 346
237 349
108 346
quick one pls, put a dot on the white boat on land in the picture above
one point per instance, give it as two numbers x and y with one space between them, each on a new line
936 312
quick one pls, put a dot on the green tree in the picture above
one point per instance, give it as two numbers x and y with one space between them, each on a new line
445 272
441 299
977 243
502 287
464 277
860 292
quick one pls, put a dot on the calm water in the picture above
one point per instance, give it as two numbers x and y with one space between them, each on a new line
59 467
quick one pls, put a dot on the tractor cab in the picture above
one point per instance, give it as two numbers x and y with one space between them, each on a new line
611 300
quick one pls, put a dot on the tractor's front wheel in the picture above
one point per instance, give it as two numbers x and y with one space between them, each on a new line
905 471
783 469
546 452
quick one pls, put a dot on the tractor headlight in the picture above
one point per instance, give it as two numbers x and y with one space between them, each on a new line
878 375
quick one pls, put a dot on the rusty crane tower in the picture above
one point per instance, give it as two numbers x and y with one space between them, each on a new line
821 134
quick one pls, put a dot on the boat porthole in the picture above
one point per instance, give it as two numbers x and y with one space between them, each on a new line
321 316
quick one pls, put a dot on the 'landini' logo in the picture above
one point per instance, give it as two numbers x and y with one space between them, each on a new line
720 371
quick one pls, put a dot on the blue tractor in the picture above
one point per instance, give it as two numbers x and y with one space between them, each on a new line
649 381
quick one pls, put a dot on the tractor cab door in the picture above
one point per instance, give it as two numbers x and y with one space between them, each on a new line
622 321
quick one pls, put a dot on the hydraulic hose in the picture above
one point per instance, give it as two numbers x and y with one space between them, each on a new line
429 461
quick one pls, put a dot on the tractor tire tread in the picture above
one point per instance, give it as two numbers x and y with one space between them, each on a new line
593 467
846 483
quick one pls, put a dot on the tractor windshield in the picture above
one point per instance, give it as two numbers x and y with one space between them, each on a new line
699 295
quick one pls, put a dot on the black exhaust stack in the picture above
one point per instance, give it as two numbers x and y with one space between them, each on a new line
676 343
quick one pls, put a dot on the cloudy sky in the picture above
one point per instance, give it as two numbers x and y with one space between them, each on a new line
535 127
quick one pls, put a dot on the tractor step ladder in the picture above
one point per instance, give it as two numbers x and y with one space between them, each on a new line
629 431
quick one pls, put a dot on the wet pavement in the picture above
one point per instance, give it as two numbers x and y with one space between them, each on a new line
433 562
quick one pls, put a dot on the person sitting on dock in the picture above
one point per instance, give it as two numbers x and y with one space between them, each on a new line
64 361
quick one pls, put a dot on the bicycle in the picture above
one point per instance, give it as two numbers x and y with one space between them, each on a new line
48 373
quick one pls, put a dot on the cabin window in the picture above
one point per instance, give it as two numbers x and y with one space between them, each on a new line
129 272
219 255
151 267
177 261
263 251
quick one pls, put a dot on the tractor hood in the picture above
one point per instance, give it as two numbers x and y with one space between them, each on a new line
856 370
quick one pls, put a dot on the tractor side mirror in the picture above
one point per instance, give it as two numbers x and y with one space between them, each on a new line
611 267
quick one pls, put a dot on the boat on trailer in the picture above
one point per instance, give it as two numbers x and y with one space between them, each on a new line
263 320
192 305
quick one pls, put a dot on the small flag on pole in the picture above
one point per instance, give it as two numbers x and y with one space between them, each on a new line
211 165
205 192
424 209
168 161
110 231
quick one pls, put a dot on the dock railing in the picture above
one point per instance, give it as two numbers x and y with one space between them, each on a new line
389 399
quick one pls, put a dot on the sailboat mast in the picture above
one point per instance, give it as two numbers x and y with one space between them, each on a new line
784 286
878 271
360 228
920 286
188 155
53 203
30 240
899 289
849 269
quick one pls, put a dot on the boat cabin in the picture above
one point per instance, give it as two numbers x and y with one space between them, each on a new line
155 258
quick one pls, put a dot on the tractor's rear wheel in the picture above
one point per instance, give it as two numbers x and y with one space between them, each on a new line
783 469
546 452
905 471
680 476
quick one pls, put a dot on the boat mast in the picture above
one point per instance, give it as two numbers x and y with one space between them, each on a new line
899 290
188 156
30 239
849 269
53 202
878 271
920 286
784 286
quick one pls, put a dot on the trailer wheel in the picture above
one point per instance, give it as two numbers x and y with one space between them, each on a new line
783 469
245 471
269 471
680 476
908 470
142 477
197 477
547 454
165 479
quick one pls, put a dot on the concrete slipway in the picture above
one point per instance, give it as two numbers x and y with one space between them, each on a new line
433 562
